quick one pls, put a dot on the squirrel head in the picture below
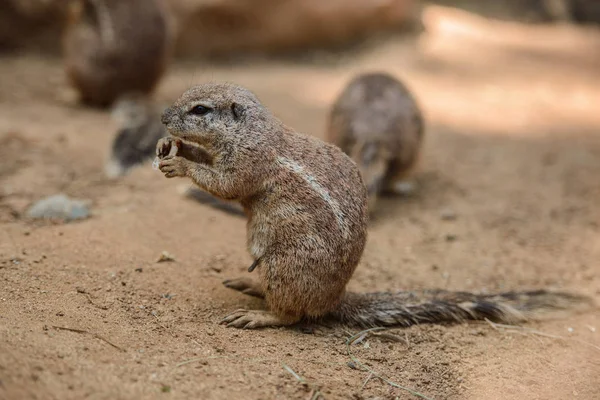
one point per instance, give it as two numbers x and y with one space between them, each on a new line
215 112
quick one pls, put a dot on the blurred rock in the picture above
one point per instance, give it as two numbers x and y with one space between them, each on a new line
59 207
447 214
221 27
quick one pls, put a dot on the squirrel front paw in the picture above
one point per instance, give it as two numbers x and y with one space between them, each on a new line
166 144
173 166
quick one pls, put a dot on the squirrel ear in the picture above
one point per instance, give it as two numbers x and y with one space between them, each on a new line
237 110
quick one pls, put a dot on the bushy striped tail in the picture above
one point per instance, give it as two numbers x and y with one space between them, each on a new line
404 309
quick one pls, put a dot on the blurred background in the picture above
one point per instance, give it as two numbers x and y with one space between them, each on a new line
507 198
205 28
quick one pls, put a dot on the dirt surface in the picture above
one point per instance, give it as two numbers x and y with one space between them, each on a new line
513 149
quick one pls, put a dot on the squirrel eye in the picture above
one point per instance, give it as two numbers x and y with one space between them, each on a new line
199 110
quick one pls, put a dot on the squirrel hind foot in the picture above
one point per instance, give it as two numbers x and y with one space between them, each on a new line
254 319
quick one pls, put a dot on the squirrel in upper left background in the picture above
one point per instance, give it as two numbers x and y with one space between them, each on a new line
112 47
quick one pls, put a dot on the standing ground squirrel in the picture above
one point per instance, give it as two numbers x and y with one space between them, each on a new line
307 218
114 46
378 123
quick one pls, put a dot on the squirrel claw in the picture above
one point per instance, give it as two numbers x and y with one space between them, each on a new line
232 316
251 319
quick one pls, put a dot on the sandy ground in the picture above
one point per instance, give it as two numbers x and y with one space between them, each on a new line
512 148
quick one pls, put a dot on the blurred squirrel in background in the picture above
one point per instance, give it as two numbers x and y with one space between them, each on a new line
112 47
378 123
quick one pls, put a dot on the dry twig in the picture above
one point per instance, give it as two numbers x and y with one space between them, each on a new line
62 328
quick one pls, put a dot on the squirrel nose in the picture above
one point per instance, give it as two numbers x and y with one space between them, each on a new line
167 116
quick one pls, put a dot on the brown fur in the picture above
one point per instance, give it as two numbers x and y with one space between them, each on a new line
378 123
115 46
307 218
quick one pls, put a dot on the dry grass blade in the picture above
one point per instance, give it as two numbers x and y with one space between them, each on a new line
294 374
390 337
352 339
360 338
62 328
366 381
315 393
524 330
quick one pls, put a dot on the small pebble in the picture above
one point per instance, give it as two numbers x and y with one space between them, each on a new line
165 257
447 214
570 329
450 237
